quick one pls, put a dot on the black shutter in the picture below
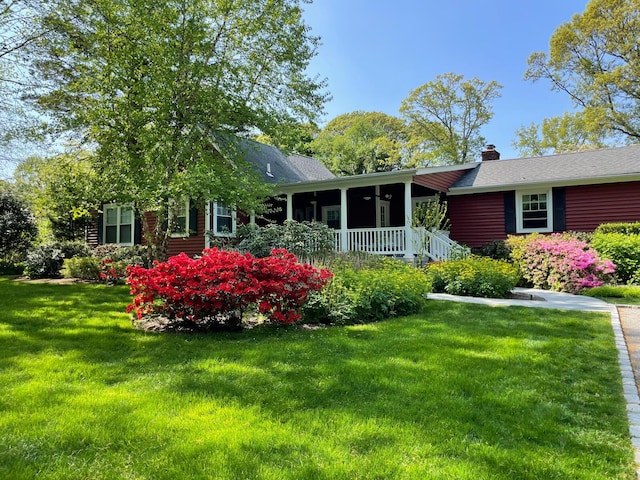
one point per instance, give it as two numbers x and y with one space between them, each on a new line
193 219
137 231
510 212
559 209
100 227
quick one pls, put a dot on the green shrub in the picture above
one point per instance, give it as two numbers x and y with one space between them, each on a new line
497 249
9 267
306 240
366 292
475 276
45 261
623 228
614 291
18 228
84 268
623 250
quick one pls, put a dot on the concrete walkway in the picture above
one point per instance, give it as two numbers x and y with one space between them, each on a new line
627 339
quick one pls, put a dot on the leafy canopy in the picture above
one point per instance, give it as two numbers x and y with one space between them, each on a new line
163 89
445 116
361 142
571 132
595 60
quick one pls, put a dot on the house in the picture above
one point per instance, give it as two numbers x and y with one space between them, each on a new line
486 200
555 193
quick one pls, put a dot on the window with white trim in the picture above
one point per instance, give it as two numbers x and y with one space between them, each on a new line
534 212
223 222
331 216
181 219
118 224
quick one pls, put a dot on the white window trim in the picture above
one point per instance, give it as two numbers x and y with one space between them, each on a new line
326 210
104 223
232 233
519 217
187 228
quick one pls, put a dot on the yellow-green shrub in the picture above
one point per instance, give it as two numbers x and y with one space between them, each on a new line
475 276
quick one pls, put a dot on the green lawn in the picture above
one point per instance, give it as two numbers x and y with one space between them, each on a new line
619 294
459 392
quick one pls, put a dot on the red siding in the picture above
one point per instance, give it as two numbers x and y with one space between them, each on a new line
590 205
477 219
440 181
192 245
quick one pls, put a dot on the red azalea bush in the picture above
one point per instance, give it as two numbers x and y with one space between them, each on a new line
223 285
559 262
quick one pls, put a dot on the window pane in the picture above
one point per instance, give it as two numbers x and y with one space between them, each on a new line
181 225
111 234
224 211
125 234
225 224
111 216
126 215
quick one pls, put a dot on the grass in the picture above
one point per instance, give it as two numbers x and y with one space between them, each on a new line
458 392
620 295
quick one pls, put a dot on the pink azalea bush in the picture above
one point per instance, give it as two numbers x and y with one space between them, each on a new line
559 262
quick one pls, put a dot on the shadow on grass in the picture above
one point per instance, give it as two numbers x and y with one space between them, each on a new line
470 384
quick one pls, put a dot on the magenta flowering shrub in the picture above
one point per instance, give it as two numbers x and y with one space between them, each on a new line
559 262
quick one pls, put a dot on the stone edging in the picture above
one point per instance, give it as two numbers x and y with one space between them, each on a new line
629 386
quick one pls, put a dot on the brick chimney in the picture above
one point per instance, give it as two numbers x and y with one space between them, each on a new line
490 153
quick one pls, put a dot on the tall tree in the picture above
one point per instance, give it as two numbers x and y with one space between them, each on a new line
595 60
18 29
361 142
60 192
163 89
445 117
571 132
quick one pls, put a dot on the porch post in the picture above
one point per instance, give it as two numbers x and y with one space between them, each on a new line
408 233
207 224
289 206
344 241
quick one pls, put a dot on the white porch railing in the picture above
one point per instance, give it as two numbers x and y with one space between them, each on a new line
436 245
392 241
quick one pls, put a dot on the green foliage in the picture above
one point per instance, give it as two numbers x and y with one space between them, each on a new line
366 292
306 240
623 250
9 267
445 117
84 268
361 142
431 215
593 58
460 391
17 226
497 249
163 90
61 192
620 294
623 228
474 276
573 132
46 261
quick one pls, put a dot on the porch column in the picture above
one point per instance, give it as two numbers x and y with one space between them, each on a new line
207 224
408 217
344 241
289 206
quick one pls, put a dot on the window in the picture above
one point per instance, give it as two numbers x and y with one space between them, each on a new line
223 220
118 224
181 216
331 216
534 212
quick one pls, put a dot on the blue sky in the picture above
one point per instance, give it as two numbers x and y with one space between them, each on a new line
374 52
